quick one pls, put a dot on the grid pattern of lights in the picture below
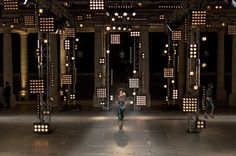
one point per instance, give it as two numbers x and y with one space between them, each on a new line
72 96
175 94
46 112
203 97
170 7
36 86
41 128
189 104
101 93
102 60
79 18
46 24
133 82
89 16
66 79
96 4
70 32
200 124
10 5
102 103
141 100
193 50
115 38
198 18
134 33
161 17
176 35
29 20
67 44
231 29
168 72
52 74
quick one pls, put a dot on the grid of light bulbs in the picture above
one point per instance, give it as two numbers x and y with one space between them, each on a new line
46 112
232 29
72 96
101 93
133 82
115 38
36 86
29 21
41 127
141 100
46 24
198 18
52 74
96 4
175 94
189 104
161 17
135 33
200 124
102 103
193 50
170 7
67 44
66 79
10 5
176 35
168 72
102 60
70 32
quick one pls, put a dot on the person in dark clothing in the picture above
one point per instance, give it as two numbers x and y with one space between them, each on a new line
7 94
209 102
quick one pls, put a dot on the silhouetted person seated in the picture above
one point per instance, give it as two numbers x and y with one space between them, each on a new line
7 94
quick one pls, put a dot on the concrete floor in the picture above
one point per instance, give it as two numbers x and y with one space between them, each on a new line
95 133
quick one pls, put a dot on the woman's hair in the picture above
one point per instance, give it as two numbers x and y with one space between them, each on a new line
120 89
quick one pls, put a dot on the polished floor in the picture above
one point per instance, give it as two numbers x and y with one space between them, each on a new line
95 133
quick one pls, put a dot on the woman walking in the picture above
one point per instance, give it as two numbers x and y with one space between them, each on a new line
121 104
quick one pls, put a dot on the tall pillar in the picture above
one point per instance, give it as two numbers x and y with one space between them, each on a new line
181 68
232 96
7 58
145 63
98 52
24 65
62 53
54 88
220 92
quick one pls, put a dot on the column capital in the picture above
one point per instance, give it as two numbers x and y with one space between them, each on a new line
21 32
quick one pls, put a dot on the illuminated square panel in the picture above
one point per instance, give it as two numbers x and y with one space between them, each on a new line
102 60
168 72
115 38
176 35
133 82
96 4
66 79
36 86
232 29
193 50
41 127
175 94
10 5
70 32
198 18
29 21
200 124
189 104
101 93
141 100
46 24
67 44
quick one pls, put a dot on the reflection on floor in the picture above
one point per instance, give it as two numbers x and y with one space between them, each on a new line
95 133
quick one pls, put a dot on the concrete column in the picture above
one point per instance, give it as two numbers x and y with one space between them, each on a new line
181 68
232 96
145 63
7 58
220 92
24 92
54 88
62 54
98 52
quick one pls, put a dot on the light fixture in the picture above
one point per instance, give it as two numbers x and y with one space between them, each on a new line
198 18
67 44
66 79
36 86
189 104
10 5
133 82
176 35
70 32
232 29
204 38
102 60
134 33
191 73
115 38
102 103
46 24
29 21
96 4
204 65
200 124
41 128
168 72
101 92
72 96
141 100
193 50
175 94
195 87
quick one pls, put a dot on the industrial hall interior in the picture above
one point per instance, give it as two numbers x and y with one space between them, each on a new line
117 77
